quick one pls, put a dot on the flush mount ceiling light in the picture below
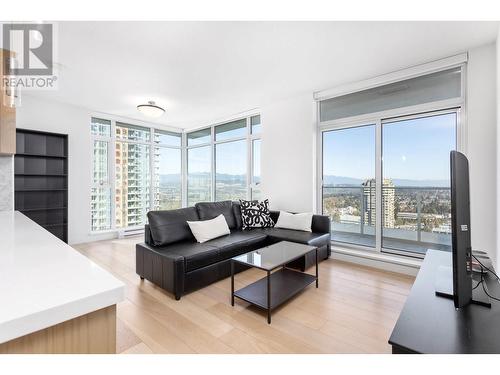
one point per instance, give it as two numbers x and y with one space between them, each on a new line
150 109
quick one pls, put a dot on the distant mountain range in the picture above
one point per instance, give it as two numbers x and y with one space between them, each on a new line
349 181
328 180
221 177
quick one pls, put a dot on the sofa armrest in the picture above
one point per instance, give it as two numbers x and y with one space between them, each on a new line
161 268
321 224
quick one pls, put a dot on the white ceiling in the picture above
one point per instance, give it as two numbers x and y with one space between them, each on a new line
204 71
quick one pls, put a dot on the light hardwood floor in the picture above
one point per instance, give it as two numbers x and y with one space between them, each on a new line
353 311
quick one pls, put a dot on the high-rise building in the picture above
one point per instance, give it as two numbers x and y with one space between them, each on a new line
101 196
132 200
388 202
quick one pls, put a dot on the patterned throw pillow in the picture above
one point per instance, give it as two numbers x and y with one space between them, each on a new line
256 214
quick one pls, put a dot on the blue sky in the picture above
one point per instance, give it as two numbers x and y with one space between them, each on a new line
230 158
169 161
412 149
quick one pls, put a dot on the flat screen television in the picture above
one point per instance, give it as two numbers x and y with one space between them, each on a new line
460 232
462 290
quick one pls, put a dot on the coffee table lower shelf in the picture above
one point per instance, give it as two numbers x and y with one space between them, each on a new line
284 284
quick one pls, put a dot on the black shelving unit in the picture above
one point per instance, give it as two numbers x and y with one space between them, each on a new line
41 179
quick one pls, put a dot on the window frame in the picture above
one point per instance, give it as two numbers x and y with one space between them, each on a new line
457 105
112 165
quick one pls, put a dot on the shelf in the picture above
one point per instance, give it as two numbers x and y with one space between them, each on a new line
40 175
53 225
41 209
284 285
42 156
32 190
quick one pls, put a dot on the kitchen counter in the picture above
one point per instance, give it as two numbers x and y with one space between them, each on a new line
45 282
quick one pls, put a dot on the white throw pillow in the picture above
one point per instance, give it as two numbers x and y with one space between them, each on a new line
302 222
205 230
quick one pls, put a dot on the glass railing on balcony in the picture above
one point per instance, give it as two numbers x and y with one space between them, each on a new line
414 219
353 217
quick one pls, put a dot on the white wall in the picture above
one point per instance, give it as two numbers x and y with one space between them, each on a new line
482 147
288 150
50 116
288 153
498 149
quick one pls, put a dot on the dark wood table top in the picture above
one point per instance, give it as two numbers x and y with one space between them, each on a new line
431 324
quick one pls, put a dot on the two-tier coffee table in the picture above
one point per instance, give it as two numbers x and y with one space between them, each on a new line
279 286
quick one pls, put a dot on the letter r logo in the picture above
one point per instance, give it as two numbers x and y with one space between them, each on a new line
33 48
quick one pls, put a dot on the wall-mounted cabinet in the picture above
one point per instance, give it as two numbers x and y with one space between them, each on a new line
7 111
41 179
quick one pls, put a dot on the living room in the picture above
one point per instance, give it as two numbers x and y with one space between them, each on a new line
265 185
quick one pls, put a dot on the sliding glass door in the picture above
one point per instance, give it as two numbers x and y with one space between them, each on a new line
387 185
349 188
416 182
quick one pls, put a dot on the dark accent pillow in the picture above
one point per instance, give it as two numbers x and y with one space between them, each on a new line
255 214
210 210
237 213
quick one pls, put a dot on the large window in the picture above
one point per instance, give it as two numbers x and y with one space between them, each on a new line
219 159
385 163
135 169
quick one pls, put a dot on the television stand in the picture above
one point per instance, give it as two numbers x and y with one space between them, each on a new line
444 288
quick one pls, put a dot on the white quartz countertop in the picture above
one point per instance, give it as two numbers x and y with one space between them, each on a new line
43 281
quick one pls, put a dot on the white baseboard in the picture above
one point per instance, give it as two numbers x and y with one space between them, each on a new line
377 260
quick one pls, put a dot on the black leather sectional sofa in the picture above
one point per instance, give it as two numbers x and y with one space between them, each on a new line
171 258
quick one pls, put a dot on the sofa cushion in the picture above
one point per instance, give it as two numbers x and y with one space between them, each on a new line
206 230
171 226
196 255
238 242
307 238
210 210
299 221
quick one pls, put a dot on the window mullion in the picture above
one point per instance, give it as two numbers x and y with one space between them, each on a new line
112 174
152 176
249 179
378 185
212 165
